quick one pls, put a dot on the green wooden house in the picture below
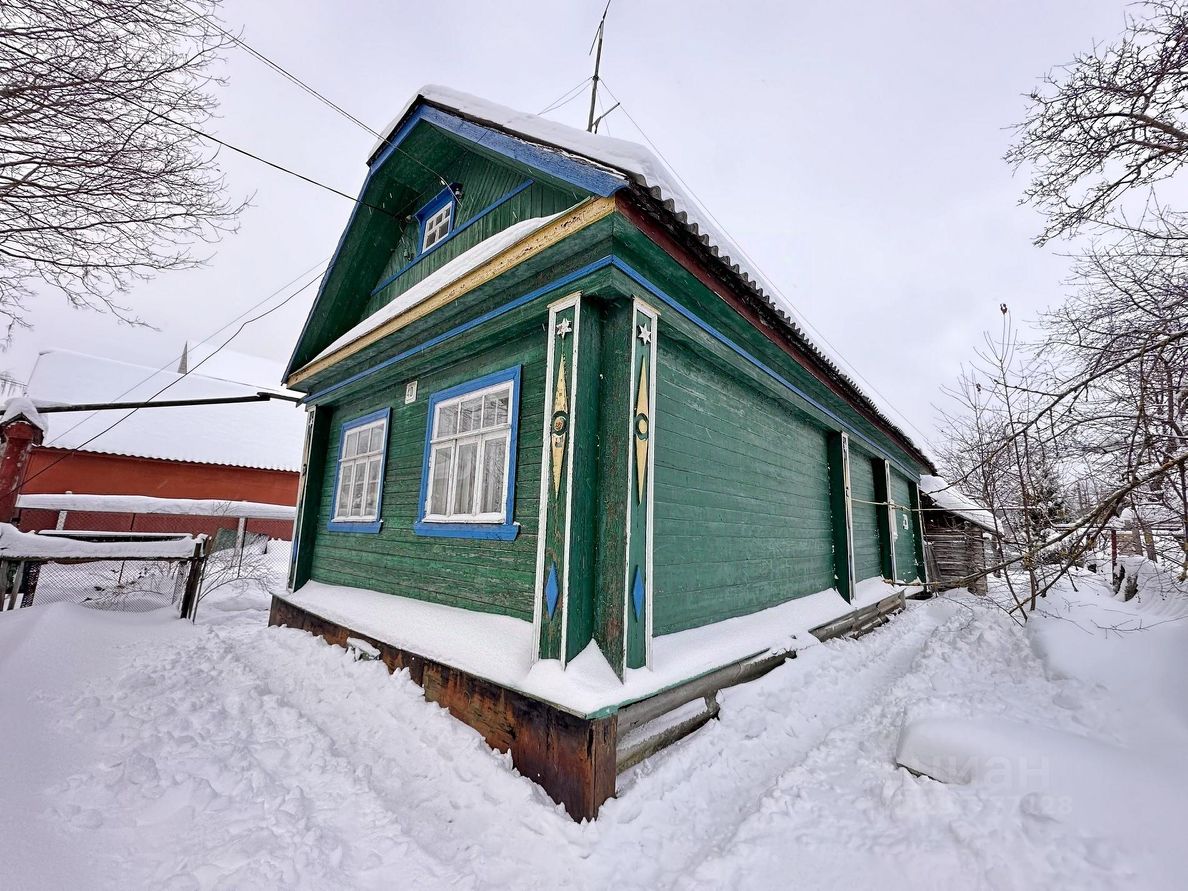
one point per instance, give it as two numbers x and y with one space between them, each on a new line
550 407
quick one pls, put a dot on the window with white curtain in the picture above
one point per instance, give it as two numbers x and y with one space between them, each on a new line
469 452
361 470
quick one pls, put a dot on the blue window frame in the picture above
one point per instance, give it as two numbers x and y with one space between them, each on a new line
436 219
468 476
359 477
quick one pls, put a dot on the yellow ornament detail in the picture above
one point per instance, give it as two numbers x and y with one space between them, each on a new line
642 431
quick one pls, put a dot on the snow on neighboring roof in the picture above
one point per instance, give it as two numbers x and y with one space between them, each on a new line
147 504
442 278
23 407
229 365
642 167
15 544
266 435
944 496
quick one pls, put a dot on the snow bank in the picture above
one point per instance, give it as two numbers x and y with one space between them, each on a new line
23 407
1154 590
16 545
442 278
500 648
145 504
1061 775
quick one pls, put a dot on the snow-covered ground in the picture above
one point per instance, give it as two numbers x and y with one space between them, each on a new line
142 752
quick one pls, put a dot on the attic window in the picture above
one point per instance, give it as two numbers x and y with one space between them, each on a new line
437 218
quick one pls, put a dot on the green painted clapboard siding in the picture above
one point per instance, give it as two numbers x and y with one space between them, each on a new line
666 273
490 576
867 563
905 539
574 252
485 182
741 509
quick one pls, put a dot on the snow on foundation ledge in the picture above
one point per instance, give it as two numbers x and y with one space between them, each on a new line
146 504
499 648
17 545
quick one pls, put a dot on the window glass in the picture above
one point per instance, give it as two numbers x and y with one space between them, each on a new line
360 472
470 443
437 226
494 456
439 490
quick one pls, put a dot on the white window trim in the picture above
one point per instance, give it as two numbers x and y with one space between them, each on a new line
479 437
429 226
343 463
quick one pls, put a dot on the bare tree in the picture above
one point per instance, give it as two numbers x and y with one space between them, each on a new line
1113 119
104 179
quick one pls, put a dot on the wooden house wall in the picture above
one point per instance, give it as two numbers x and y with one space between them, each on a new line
958 550
485 575
905 538
485 182
867 550
742 518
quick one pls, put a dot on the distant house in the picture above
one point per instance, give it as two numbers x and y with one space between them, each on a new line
238 452
959 533
566 450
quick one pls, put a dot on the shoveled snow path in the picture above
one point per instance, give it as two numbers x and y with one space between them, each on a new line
240 756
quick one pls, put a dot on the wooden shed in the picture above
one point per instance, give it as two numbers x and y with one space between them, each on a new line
565 452
959 534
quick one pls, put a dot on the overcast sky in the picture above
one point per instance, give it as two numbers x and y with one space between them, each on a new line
853 150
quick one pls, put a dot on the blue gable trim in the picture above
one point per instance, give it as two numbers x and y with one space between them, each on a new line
376 524
568 168
461 329
453 232
626 269
508 529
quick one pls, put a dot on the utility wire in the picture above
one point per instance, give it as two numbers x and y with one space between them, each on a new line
329 103
172 363
179 378
768 280
565 98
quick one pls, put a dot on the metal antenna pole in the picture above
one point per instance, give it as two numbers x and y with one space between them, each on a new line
592 123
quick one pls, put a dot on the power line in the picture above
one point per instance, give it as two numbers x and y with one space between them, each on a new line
329 103
768 280
205 340
565 98
176 380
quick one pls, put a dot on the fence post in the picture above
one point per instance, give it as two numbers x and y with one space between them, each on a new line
240 536
189 604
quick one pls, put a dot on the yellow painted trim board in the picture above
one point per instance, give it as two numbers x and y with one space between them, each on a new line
585 214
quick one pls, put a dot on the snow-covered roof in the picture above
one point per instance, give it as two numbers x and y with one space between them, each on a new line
945 496
266 435
640 166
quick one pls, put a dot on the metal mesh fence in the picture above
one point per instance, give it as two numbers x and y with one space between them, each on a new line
241 549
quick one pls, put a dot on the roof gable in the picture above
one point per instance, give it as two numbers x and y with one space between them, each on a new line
401 177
